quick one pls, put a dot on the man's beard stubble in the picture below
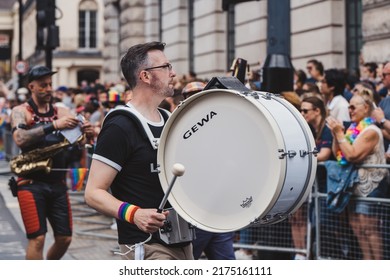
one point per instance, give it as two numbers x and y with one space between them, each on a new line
160 88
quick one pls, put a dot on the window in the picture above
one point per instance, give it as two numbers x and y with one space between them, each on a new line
87 24
191 41
354 33
231 35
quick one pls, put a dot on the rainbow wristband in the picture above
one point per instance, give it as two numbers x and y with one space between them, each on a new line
126 212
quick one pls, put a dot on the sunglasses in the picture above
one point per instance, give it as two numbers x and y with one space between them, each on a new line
352 107
305 111
362 91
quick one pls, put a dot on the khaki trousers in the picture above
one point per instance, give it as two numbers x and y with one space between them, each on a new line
157 251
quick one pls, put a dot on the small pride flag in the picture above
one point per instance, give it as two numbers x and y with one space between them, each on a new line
77 176
2 122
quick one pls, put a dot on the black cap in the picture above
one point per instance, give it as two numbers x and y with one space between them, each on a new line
38 72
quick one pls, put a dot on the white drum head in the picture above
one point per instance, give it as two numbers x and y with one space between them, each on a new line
229 147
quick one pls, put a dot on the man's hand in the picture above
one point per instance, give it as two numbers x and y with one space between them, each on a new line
149 220
87 129
66 122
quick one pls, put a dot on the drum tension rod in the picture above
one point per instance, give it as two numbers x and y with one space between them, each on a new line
252 94
303 153
290 153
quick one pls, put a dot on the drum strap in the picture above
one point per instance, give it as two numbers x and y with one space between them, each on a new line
140 120
226 83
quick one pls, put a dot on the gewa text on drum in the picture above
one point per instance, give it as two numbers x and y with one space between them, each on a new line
250 158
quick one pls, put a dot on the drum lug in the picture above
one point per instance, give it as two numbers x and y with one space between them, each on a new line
274 218
281 217
290 153
254 95
267 96
250 93
267 218
255 221
303 153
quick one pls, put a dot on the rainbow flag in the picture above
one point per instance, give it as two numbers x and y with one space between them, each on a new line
2 122
77 176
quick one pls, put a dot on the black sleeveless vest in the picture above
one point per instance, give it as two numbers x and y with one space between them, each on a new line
59 160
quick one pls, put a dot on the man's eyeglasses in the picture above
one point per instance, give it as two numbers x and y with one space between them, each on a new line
167 65
305 111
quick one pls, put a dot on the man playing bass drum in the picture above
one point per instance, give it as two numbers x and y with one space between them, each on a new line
41 195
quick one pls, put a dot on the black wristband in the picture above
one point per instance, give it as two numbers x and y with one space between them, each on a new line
19 126
382 123
48 128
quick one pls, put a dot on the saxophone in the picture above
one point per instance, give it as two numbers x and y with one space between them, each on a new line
38 159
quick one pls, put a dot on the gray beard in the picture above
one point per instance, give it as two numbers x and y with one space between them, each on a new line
161 89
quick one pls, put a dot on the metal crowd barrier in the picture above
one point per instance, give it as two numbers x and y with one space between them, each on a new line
10 148
328 235
336 239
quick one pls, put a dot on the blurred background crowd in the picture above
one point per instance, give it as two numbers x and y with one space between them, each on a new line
318 92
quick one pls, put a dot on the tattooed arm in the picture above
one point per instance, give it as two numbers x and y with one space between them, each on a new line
24 137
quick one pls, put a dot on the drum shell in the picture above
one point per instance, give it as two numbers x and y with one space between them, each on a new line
298 139
236 177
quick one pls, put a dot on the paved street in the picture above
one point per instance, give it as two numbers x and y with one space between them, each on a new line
12 238
93 239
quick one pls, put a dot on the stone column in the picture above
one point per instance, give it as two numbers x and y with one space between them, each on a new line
111 56
376 30
132 23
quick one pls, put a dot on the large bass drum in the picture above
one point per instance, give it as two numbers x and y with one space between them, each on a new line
250 158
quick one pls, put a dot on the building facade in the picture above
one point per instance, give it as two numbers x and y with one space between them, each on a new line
204 38
6 32
79 54
201 36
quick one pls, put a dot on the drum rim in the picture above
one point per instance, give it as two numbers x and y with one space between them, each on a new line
312 160
311 172
164 178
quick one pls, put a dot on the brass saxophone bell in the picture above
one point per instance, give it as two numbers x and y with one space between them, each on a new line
38 159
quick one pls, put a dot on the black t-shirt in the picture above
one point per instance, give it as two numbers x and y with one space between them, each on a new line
123 145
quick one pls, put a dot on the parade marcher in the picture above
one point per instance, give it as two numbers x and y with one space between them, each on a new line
125 162
35 129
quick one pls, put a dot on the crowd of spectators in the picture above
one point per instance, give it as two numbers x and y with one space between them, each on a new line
318 93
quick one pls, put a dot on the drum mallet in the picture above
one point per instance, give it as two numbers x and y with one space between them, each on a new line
177 170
